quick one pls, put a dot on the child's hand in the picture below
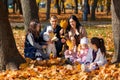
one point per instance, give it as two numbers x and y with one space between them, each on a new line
44 46
78 54
92 66
48 42
54 38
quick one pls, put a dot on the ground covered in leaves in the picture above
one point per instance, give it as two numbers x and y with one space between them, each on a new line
56 69
18 18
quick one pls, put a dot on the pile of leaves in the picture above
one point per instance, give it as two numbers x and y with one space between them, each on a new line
57 69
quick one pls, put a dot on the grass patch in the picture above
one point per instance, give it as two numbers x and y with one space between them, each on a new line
102 32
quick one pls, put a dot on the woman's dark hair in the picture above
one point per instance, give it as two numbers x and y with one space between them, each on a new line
99 42
76 20
32 28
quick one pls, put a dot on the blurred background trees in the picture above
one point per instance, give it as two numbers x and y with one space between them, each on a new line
30 11
61 6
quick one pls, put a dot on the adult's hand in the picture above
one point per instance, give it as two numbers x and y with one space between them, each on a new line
76 32
63 40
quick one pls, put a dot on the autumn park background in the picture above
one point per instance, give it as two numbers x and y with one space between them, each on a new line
102 21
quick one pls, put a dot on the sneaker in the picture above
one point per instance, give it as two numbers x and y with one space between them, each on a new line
38 58
68 61
83 67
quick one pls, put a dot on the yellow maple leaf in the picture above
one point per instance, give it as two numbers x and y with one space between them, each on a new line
70 44
63 24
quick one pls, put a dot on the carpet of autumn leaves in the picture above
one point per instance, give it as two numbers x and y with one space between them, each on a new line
56 69
17 17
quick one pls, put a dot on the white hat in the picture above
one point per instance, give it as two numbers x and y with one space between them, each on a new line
49 28
84 40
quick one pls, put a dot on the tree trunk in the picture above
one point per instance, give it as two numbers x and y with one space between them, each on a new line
101 6
76 6
94 5
14 6
6 5
58 7
108 5
63 6
116 29
30 11
48 9
9 55
19 6
86 10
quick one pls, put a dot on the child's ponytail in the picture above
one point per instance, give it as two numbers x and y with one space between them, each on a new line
99 42
102 46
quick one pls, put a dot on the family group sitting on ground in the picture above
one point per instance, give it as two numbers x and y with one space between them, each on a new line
39 44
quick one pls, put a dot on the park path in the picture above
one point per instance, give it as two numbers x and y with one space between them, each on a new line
86 23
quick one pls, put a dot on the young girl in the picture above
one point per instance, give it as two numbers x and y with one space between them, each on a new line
50 37
82 50
72 49
96 55
33 49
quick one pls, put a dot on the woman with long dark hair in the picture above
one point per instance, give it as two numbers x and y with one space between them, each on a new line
33 49
75 29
